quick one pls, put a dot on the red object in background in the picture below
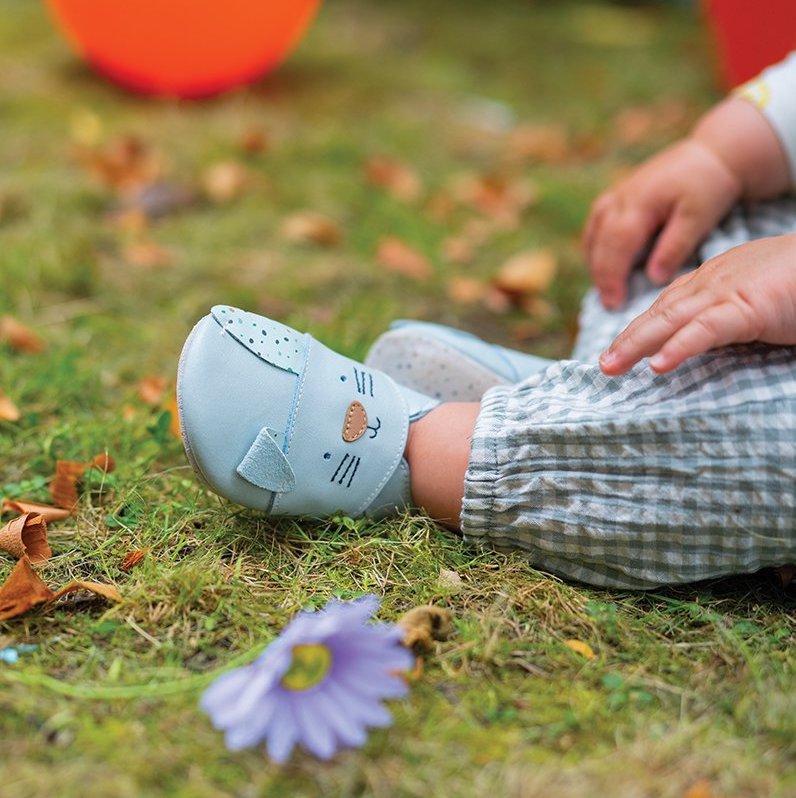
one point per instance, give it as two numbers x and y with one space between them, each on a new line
183 48
751 35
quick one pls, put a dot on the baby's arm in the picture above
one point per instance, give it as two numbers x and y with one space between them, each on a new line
744 148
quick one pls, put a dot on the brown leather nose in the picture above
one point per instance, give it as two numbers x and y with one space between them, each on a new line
355 423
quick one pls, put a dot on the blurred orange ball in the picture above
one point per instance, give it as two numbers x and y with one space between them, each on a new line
183 48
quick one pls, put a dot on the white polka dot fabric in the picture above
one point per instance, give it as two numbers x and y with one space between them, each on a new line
271 341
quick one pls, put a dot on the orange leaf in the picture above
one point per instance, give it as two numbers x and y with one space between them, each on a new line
102 462
49 514
174 424
8 410
398 179
308 226
466 290
399 257
147 255
499 197
529 272
699 789
458 249
63 487
22 590
132 558
497 301
26 535
19 337
254 141
544 143
225 181
108 592
124 164
579 647
151 389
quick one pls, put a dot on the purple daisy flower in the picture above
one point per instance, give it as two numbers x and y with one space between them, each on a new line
320 684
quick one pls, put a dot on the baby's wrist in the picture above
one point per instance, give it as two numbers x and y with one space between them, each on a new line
739 136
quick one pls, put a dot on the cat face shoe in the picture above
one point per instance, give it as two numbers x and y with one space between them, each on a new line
274 420
448 364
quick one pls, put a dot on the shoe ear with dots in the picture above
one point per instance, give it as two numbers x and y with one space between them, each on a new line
273 420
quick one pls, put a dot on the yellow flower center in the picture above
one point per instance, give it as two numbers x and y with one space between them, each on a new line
310 664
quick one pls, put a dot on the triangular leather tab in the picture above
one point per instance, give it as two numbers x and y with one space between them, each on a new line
266 466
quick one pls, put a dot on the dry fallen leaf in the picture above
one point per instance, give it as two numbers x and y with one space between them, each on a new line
699 789
225 181
395 255
525 330
458 249
147 255
579 647
132 558
25 589
544 143
102 462
26 535
466 290
22 590
309 226
19 337
63 487
399 179
529 272
8 410
152 389
254 141
108 592
50 514
499 197
496 300
174 423
637 124
124 164
423 625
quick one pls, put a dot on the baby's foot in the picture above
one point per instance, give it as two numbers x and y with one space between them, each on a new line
448 364
273 420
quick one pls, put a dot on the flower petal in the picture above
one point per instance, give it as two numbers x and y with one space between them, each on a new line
371 685
254 728
315 734
364 710
348 731
237 694
283 733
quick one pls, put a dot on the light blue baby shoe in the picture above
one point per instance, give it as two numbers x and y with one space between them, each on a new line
448 364
273 420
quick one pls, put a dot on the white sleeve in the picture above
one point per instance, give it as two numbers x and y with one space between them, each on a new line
774 93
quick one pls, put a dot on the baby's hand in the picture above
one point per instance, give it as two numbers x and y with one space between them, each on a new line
746 294
683 192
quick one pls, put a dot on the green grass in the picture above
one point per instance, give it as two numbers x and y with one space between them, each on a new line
687 685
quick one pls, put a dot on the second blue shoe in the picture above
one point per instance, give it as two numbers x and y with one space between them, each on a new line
448 364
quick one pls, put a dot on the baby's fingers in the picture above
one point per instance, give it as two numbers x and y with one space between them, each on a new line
678 239
648 332
718 325
615 243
